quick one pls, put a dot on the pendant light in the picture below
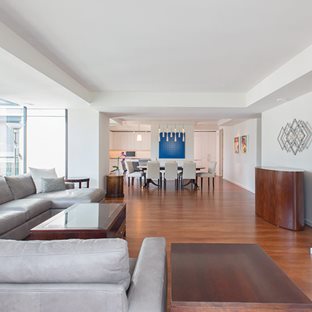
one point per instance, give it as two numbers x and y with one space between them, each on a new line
139 136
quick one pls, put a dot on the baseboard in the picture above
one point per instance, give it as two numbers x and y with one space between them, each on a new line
308 222
240 185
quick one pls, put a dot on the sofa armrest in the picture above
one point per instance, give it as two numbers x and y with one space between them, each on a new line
63 297
69 185
148 286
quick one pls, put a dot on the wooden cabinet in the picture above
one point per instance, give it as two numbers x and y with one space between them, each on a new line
114 185
280 197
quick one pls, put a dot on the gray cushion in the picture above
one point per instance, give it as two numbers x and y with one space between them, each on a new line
52 184
148 283
21 186
31 206
37 174
64 199
9 219
5 192
132 264
63 298
65 261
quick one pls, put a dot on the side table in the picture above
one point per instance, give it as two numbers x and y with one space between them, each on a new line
79 180
114 186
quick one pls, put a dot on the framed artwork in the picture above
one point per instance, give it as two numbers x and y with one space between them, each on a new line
236 145
244 144
171 146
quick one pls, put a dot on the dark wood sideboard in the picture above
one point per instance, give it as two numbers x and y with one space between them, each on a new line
280 196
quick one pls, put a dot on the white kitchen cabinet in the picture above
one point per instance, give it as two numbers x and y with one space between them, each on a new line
145 144
127 141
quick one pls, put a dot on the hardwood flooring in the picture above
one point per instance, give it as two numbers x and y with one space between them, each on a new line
225 215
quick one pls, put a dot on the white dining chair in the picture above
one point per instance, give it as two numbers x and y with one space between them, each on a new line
153 173
143 161
132 174
189 173
171 173
210 174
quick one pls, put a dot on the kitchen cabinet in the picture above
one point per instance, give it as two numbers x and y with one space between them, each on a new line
127 141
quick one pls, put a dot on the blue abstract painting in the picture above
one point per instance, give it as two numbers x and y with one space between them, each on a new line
171 146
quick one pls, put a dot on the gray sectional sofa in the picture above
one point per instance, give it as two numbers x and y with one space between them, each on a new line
21 208
82 275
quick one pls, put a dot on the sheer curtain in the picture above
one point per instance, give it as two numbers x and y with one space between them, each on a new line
46 139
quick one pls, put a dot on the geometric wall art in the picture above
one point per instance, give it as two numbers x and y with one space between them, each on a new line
295 136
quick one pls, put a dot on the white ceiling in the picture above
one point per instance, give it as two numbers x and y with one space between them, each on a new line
164 45
21 84
182 113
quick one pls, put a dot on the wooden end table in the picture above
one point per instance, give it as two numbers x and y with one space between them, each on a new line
79 180
84 221
230 277
114 186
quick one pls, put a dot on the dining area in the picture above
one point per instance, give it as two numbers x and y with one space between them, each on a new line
183 174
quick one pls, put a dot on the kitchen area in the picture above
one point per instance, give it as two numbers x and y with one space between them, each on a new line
135 144
141 141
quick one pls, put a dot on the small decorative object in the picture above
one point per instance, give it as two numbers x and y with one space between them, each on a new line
236 145
244 144
295 136
120 159
115 169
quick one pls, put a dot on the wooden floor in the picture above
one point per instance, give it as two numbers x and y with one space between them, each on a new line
225 215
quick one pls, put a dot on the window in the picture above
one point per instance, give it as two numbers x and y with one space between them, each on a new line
32 138
46 139
12 158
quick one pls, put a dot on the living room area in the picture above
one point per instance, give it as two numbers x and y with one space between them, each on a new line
155 156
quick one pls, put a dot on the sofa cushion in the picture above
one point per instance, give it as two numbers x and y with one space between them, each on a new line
52 184
65 261
38 174
31 206
64 199
5 192
46 297
10 219
21 186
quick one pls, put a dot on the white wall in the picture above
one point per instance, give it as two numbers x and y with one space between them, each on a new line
189 139
240 168
103 149
205 148
272 155
88 144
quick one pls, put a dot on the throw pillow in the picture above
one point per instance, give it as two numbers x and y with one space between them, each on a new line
38 174
21 186
5 192
52 184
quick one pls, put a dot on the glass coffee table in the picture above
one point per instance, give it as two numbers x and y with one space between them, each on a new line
84 221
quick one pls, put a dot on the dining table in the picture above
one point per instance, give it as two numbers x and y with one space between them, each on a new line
180 168
162 168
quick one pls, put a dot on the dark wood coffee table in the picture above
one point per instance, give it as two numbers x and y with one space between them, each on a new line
89 220
230 277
